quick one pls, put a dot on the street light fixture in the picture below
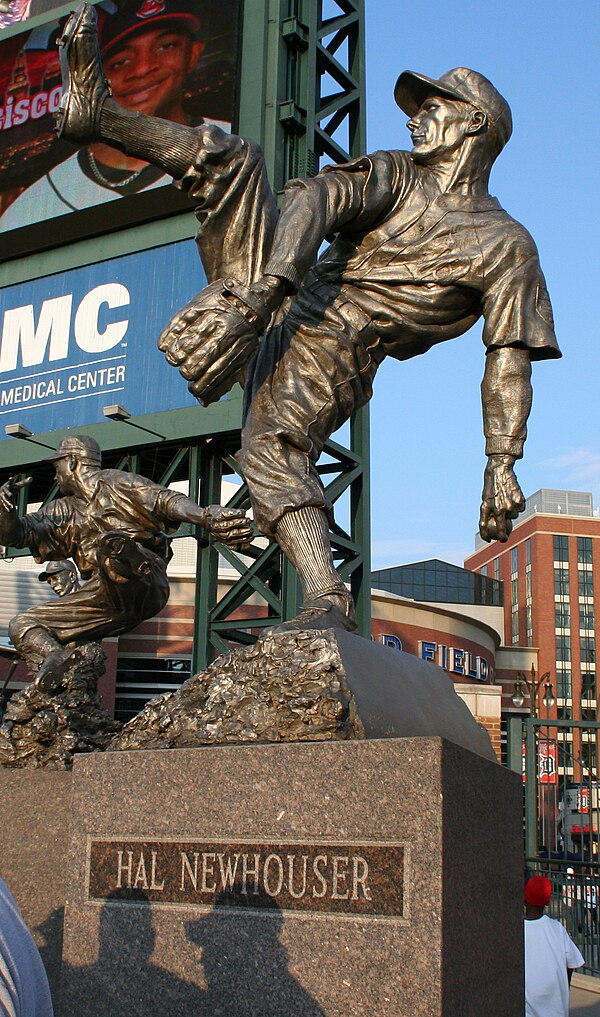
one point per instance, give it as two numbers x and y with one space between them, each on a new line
537 760
531 687
120 413
23 432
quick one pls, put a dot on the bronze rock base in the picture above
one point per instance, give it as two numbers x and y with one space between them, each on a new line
288 686
307 685
46 729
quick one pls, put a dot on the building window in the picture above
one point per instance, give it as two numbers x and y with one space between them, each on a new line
562 615
528 596
563 683
561 548
496 568
434 580
588 685
514 610
564 713
565 756
588 712
586 583
586 617
588 650
588 757
142 678
484 570
584 550
514 597
563 647
529 624
561 582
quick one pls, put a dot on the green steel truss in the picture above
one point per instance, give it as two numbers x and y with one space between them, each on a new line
302 96
313 74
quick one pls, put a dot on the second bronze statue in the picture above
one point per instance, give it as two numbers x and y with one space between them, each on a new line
114 525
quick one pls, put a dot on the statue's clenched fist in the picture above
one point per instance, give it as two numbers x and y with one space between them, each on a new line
502 499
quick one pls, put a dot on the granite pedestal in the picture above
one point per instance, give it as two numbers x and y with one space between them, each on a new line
33 854
378 877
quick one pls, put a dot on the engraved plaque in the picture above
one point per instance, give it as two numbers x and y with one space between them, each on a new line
363 879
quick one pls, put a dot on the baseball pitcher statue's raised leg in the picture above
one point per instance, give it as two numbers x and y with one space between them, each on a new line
214 339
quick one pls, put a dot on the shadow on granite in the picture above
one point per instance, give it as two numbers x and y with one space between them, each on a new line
248 976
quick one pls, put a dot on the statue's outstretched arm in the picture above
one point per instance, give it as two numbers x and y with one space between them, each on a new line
226 524
506 398
12 529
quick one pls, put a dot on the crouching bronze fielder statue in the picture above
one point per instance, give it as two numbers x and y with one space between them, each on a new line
113 524
421 251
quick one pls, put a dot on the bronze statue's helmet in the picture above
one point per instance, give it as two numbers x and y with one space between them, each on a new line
85 448
467 86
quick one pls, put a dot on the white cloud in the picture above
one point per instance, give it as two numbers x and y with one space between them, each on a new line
580 469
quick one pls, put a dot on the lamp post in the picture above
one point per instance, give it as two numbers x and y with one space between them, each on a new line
531 686
535 781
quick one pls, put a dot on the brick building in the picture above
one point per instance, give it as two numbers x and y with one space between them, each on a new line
550 567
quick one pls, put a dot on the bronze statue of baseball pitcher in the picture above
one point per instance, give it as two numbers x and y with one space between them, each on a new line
420 252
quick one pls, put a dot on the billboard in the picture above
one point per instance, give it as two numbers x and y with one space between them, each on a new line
14 11
176 59
77 341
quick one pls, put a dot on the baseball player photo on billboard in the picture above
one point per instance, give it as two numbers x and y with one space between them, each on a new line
175 59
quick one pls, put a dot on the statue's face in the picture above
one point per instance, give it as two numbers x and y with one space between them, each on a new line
63 475
62 582
439 128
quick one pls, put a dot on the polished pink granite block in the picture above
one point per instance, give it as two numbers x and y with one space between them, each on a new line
189 894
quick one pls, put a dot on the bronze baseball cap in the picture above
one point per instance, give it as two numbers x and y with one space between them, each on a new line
54 567
467 86
85 448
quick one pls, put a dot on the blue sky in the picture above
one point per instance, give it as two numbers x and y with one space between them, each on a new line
426 436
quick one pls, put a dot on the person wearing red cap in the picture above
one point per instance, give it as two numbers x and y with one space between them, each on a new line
421 252
550 955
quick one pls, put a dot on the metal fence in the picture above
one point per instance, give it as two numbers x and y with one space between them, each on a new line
558 760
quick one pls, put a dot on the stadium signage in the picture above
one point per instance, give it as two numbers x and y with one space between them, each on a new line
457 661
73 342
29 339
364 879
13 114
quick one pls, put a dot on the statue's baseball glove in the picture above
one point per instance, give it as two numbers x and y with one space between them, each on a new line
213 337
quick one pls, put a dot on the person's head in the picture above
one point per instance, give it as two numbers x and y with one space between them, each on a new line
61 576
148 49
74 454
461 108
537 894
